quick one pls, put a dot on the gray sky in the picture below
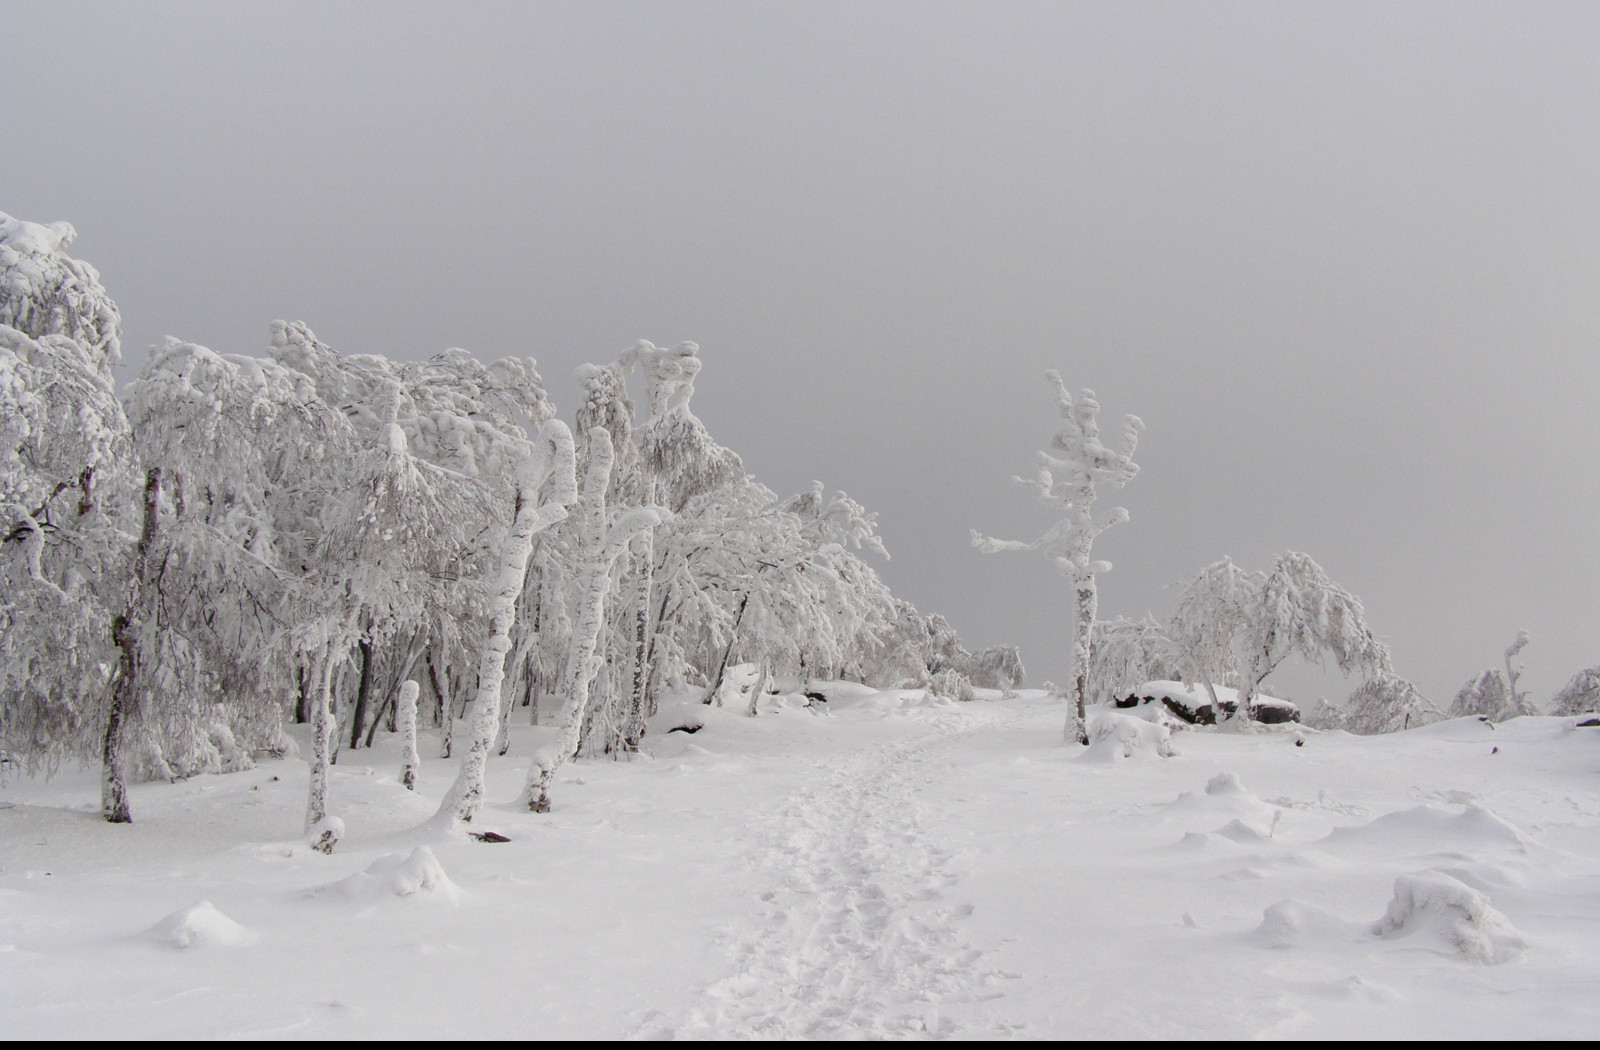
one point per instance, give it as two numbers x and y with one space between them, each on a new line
1343 258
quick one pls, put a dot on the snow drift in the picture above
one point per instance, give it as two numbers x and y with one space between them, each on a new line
416 874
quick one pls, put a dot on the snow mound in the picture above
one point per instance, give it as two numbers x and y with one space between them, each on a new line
1116 737
199 925
416 874
1434 905
1291 922
1427 826
1227 784
1240 832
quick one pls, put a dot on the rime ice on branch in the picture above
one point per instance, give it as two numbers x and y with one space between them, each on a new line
1069 483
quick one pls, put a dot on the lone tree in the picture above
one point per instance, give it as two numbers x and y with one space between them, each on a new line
1069 483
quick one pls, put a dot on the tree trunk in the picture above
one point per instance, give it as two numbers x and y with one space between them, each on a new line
1077 727
358 714
322 732
638 707
528 519
418 644
406 720
124 695
727 650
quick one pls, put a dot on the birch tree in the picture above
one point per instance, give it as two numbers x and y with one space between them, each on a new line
604 539
550 463
1070 483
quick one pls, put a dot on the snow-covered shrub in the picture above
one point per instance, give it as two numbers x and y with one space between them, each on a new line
1488 695
1326 715
1579 696
1493 694
950 684
1387 703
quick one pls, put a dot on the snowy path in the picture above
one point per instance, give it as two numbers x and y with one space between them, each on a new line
856 937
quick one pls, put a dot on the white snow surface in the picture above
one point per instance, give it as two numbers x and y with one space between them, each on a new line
885 865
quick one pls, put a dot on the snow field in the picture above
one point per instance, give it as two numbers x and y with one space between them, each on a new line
894 866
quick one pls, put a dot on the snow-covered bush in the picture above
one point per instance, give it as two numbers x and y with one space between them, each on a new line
1386 703
1070 483
951 684
1580 695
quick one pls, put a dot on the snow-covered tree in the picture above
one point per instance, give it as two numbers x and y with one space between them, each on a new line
44 291
1387 703
1211 612
66 481
1070 483
1580 695
1299 610
550 462
1127 653
1493 693
604 538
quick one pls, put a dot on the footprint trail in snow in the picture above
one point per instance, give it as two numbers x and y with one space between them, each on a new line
858 940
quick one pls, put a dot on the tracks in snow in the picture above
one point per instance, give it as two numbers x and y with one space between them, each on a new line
855 938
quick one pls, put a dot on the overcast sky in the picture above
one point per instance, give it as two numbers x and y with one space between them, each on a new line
1343 259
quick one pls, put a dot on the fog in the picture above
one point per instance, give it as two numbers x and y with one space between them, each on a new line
1341 258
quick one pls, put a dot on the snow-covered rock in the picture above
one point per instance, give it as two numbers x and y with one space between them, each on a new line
1193 705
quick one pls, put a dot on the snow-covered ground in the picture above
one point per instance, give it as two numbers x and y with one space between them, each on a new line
896 866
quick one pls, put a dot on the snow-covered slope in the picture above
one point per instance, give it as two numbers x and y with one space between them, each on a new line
882 865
